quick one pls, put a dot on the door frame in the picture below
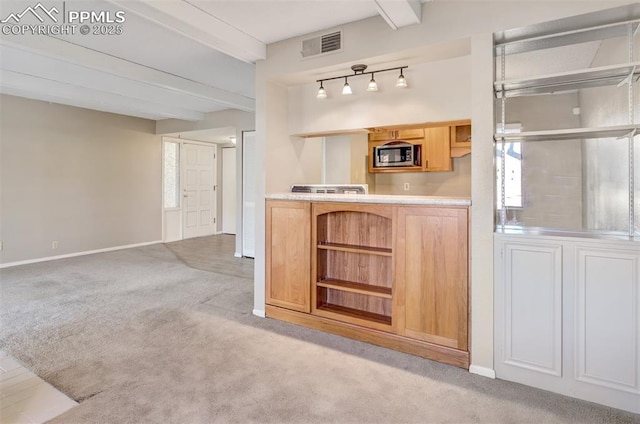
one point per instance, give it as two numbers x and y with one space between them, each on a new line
180 208
234 188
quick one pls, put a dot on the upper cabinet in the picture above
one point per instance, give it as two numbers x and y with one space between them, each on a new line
424 149
460 139
388 135
436 150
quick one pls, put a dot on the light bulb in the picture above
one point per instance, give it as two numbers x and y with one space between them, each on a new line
346 89
322 93
373 85
401 82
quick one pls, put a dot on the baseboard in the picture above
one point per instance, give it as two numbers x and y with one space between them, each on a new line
73 255
237 255
386 339
483 371
259 313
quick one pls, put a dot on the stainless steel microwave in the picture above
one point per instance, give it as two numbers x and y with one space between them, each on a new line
397 154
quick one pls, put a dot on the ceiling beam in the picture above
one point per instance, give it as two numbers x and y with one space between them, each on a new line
400 13
92 59
49 90
195 23
28 63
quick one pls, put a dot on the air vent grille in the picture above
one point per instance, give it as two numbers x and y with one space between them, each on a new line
323 44
331 42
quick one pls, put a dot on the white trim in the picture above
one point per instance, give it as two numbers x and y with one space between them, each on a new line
259 313
483 371
237 255
73 255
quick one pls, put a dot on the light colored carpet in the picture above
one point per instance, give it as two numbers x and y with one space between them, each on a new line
136 336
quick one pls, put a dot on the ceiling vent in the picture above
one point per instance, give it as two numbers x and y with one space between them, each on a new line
323 44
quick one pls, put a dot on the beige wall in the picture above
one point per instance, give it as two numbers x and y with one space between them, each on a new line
455 183
337 160
86 179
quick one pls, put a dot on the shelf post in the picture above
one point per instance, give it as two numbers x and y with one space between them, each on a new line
632 212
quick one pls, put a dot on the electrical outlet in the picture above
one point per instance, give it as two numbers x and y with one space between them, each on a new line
54 244
406 186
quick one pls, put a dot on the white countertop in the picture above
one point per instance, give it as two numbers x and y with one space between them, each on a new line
373 198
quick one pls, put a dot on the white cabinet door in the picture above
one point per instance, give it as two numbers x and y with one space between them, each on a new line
531 299
607 318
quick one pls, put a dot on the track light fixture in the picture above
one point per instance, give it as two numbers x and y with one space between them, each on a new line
373 85
359 70
402 81
322 93
346 89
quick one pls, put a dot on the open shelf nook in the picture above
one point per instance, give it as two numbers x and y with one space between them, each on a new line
353 254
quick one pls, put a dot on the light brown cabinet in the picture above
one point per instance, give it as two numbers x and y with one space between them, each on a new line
432 275
392 275
436 155
461 135
388 135
460 139
288 257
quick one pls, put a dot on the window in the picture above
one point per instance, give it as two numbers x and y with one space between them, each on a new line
171 182
513 175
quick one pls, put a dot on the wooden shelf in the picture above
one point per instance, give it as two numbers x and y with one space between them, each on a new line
397 169
356 313
564 81
381 251
360 288
570 134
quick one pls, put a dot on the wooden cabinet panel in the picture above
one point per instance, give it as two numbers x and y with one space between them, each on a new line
406 134
460 140
431 292
288 254
461 135
436 151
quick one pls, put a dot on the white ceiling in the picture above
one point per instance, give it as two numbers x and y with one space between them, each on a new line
174 58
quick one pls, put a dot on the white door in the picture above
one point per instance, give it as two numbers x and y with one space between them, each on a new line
229 190
199 179
248 193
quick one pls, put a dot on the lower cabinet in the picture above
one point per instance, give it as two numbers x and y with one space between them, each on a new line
567 316
395 276
432 275
288 258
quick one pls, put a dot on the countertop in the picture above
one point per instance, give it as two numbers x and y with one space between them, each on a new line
374 198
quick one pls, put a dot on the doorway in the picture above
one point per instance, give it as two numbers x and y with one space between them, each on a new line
199 186
189 189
